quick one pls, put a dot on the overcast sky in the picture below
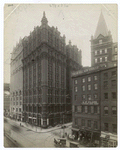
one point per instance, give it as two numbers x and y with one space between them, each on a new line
77 22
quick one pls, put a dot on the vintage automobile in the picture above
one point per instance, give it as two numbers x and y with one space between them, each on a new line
74 144
71 137
61 142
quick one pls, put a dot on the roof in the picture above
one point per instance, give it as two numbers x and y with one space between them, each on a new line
101 27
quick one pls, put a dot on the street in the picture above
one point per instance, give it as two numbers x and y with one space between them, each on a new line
28 138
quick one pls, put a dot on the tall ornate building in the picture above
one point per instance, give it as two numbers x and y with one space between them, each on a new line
47 63
103 50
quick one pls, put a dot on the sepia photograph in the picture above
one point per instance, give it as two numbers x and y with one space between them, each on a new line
60 75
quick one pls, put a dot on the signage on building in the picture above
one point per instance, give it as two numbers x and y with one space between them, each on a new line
89 102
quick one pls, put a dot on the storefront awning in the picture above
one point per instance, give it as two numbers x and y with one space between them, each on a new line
75 129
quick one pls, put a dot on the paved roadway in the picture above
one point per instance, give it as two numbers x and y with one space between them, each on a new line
8 143
28 138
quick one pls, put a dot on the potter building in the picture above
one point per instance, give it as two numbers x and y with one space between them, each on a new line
47 63
95 91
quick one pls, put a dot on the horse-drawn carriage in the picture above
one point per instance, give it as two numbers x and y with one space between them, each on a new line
60 142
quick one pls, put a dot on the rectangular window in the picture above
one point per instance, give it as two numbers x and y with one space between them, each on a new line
113 83
95 86
89 87
79 108
115 57
76 89
75 81
95 109
114 95
95 52
100 41
105 84
83 87
114 110
19 109
95 60
95 125
100 51
83 80
105 95
114 73
89 79
105 50
95 96
114 126
105 110
89 97
105 126
100 59
89 109
83 97
86 109
105 58
83 109
89 123
83 122
95 78
75 97
116 49
16 109
92 109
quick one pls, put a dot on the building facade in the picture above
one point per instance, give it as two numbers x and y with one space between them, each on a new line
95 104
45 70
16 82
6 99
103 50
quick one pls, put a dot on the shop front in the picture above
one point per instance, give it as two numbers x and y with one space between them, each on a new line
108 139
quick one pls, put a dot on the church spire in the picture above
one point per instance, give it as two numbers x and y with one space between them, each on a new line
44 19
101 27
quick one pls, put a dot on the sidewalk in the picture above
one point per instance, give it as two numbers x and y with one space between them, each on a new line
38 129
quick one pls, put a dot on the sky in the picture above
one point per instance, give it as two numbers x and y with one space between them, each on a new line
77 21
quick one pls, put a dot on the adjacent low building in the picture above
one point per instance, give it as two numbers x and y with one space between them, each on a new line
95 104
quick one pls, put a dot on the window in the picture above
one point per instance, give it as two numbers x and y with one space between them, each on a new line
16 109
95 125
114 95
114 110
75 81
79 108
105 110
76 121
89 123
100 41
100 51
114 73
105 75
89 109
89 79
89 87
95 86
86 109
83 97
105 95
95 52
75 108
105 58
114 126
83 88
75 97
105 50
100 59
19 109
76 89
83 109
105 84
89 97
83 122
92 109
95 78
95 96
115 57
113 83
116 49
98 109
95 60
95 109
83 80
105 126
